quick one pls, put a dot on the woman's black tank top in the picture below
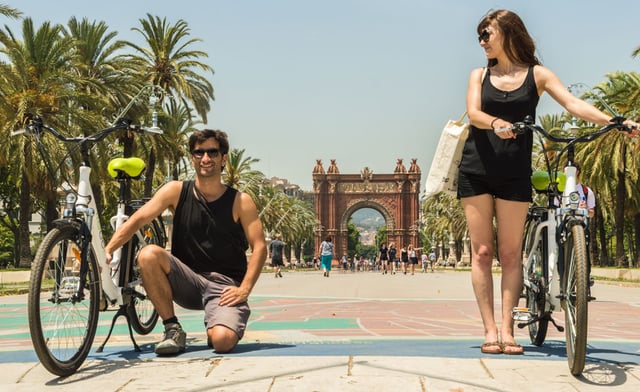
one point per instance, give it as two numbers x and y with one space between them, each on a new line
205 236
484 152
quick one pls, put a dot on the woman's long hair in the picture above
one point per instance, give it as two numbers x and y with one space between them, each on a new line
518 44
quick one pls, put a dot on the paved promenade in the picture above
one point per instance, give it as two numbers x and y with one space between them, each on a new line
350 332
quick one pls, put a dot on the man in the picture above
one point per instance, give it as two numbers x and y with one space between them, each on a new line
207 268
276 250
587 197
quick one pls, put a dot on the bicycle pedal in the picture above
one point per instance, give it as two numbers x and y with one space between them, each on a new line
521 314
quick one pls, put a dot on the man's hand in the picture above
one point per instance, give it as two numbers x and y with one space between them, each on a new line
232 295
108 257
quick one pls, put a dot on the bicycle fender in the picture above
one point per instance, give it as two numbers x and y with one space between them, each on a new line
68 222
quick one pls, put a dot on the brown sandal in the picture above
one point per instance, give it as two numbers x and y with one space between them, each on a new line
491 348
516 349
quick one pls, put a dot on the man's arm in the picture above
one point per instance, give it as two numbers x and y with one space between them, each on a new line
248 215
165 197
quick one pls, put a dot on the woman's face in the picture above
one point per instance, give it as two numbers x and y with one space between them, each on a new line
490 40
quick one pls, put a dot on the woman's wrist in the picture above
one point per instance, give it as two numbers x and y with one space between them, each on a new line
492 122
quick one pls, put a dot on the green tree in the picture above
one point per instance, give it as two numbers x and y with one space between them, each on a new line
353 239
169 62
37 80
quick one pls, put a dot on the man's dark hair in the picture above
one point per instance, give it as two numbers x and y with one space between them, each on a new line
201 136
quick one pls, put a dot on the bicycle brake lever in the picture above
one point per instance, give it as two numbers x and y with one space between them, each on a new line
18 132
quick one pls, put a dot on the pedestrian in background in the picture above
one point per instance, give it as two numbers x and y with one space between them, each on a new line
326 255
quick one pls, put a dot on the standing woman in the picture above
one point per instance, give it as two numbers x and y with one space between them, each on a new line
392 257
384 258
404 259
413 258
326 255
496 167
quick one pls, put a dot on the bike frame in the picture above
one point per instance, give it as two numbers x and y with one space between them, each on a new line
86 205
556 216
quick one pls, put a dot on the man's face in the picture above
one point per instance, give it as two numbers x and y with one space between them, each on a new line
207 159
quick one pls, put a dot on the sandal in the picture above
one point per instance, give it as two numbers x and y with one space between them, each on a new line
491 348
512 348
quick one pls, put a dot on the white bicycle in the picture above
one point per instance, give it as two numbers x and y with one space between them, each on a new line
555 257
70 279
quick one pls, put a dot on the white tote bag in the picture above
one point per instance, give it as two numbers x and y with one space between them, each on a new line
443 174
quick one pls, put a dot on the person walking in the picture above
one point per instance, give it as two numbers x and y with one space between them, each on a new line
404 259
413 258
326 255
276 253
207 267
384 258
393 259
495 169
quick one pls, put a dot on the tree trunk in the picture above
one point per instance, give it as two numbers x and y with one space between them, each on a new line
619 218
593 244
24 240
602 237
636 240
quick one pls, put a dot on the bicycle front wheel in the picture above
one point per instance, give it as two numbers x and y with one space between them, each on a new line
536 272
63 302
575 287
142 313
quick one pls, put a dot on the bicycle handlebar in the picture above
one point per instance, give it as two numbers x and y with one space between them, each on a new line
519 128
36 126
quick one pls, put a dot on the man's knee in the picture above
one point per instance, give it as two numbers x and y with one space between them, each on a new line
222 338
153 256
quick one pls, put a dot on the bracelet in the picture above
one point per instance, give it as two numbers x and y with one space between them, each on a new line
492 121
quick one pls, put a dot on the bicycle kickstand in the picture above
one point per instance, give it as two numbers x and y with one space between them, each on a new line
121 312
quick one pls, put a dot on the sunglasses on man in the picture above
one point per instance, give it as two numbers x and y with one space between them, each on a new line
199 152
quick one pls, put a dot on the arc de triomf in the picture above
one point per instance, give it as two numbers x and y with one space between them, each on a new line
395 196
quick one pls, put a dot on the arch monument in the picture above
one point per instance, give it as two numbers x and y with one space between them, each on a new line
396 196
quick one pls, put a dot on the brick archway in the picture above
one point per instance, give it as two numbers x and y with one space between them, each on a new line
396 196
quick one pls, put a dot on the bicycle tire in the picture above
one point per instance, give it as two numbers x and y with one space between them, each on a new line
575 287
535 300
62 326
142 314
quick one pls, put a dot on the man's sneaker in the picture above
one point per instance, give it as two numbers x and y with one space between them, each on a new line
174 340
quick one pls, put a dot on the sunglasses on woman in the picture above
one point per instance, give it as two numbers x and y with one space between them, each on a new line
485 35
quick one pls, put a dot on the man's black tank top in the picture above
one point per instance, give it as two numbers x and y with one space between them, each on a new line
484 152
205 236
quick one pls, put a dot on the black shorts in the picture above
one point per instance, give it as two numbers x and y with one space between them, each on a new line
514 189
277 262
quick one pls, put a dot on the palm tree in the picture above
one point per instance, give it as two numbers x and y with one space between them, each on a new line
10 12
238 172
169 63
37 80
612 166
103 88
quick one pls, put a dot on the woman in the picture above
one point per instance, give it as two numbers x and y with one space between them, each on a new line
392 257
404 259
496 167
413 258
326 255
384 257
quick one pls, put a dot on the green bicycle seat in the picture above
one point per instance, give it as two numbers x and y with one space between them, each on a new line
133 167
540 180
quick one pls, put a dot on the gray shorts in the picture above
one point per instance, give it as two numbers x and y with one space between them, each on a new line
201 291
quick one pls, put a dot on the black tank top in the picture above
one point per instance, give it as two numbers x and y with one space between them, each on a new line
205 236
484 152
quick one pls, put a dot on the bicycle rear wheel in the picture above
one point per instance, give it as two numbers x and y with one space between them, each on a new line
575 287
63 317
536 272
142 314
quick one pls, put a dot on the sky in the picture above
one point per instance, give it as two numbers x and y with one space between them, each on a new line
364 82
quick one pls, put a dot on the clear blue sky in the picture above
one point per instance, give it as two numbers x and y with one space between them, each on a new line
360 81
